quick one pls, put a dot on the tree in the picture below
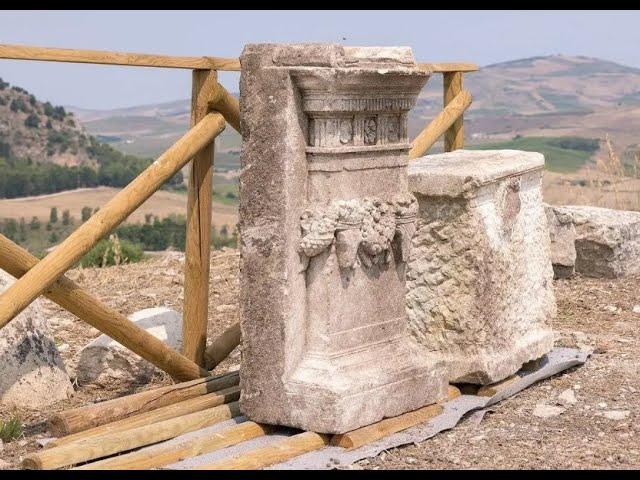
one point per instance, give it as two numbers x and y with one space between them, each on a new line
35 223
10 228
147 218
22 230
53 215
32 121
85 213
53 238
66 217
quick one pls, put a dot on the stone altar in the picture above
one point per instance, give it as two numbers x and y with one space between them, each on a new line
326 222
480 289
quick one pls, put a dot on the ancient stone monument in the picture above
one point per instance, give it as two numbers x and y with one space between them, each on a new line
325 223
479 278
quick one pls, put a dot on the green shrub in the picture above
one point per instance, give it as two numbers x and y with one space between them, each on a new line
112 252
35 223
66 217
10 429
85 213
53 215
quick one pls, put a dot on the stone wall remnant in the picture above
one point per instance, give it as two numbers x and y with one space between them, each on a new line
606 241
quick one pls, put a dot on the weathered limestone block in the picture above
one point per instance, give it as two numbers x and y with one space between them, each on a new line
325 224
562 234
104 360
607 241
480 291
32 373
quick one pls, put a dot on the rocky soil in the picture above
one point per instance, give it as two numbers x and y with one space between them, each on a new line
583 418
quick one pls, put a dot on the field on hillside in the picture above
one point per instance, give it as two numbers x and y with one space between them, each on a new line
162 204
562 154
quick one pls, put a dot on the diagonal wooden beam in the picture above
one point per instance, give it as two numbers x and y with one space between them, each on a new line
439 125
222 101
71 250
17 262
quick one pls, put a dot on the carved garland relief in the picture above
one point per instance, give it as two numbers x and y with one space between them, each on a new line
363 229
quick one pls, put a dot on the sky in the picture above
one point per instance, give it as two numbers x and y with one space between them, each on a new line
483 37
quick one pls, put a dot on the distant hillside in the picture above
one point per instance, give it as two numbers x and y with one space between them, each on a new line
44 149
553 96
39 131
553 84
150 129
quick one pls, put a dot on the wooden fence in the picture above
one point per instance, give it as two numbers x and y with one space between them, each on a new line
211 108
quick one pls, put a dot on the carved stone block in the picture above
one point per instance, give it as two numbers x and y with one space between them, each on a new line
479 278
325 224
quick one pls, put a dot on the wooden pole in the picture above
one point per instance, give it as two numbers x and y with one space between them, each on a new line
228 105
83 418
275 453
454 136
439 125
159 456
74 55
41 276
104 445
198 249
17 261
222 346
178 409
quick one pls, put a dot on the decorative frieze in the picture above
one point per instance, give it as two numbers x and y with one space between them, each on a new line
362 229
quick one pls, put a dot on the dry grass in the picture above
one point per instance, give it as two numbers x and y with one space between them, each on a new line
610 184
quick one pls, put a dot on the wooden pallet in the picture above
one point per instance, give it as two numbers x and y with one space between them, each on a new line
128 432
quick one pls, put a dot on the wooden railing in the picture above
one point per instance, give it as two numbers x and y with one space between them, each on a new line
211 107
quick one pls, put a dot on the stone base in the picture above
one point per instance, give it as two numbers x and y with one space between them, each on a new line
489 366
341 394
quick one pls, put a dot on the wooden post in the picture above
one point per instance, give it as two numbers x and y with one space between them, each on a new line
19 295
197 252
17 261
454 136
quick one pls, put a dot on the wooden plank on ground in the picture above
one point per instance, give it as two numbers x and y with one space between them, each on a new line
277 452
102 446
491 390
77 419
179 409
371 433
160 455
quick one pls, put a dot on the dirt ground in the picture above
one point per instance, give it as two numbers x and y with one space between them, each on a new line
596 314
